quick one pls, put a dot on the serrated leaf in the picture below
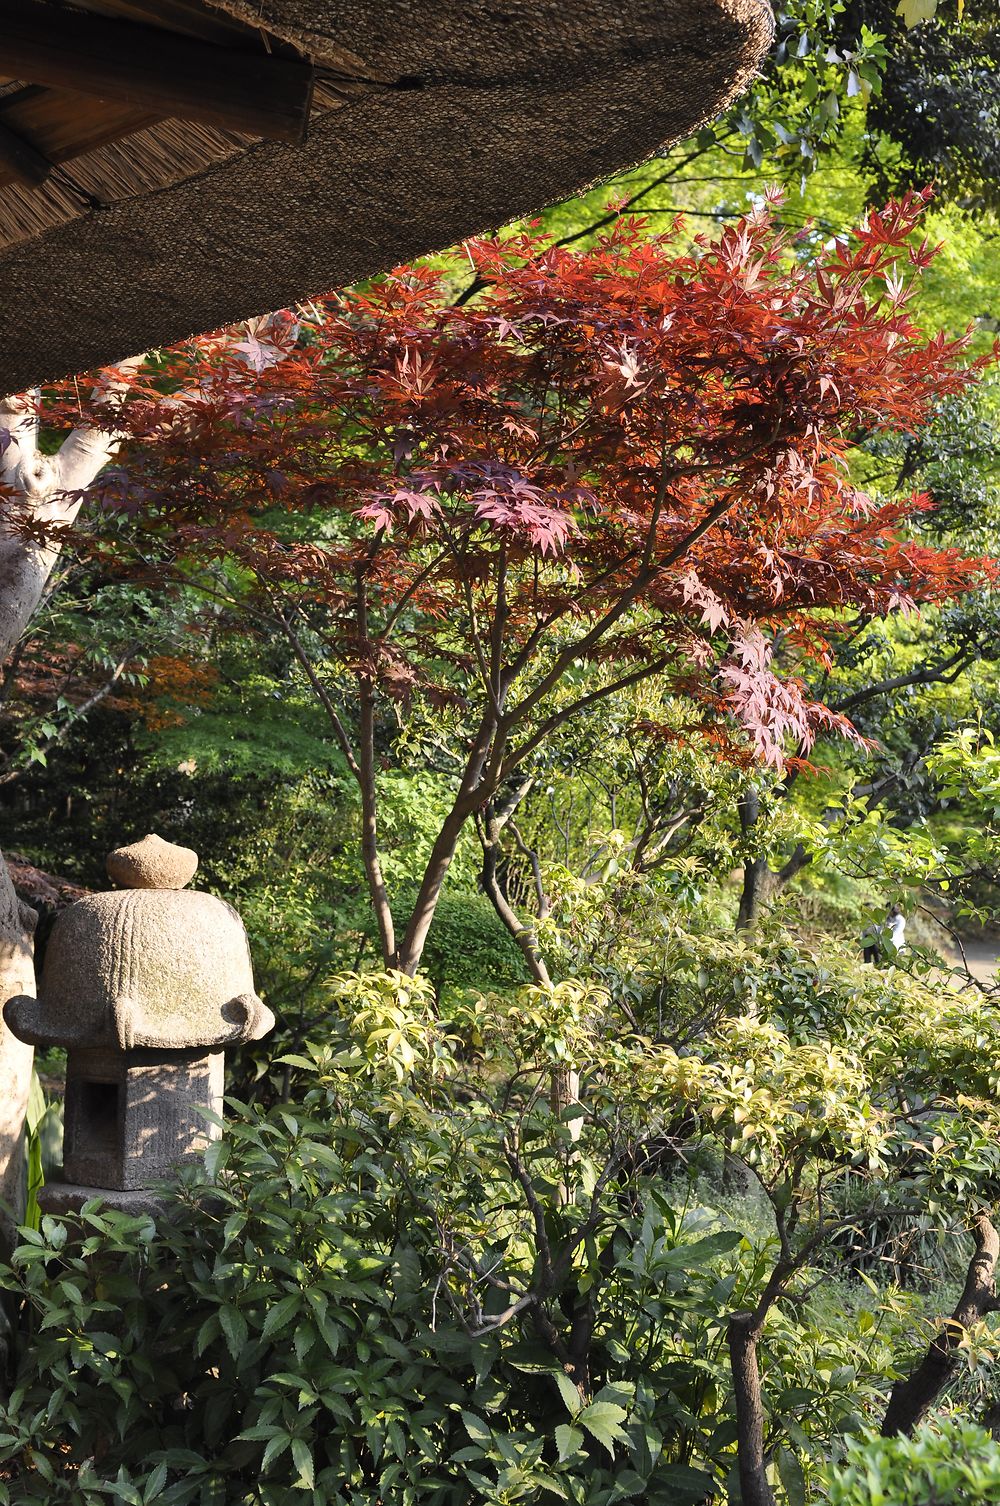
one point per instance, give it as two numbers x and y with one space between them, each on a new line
477 1429
568 1391
568 1440
603 1421
155 1483
280 1315
234 1328
303 1460
274 1450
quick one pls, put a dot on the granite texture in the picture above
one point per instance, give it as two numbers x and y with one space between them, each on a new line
152 864
163 968
132 1119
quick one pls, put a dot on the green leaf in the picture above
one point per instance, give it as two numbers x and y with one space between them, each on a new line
603 1421
281 1315
155 1483
686 1484
303 1459
568 1440
569 1393
216 1156
792 1477
701 1252
477 1429
274 1449
234 1327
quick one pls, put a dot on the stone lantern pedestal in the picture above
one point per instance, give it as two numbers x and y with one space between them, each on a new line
144 987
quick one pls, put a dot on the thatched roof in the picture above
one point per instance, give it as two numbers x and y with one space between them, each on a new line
123 226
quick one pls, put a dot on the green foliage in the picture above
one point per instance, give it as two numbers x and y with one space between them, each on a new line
949 1463
813 77
470 948
305 1328
423 1281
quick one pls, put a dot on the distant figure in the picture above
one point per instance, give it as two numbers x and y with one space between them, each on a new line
897 928
885 936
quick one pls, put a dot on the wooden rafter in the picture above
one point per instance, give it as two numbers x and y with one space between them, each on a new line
23 161
157 71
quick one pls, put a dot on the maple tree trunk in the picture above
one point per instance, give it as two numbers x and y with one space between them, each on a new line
913 1396
756 874
758 890
762 883
369 801
472 795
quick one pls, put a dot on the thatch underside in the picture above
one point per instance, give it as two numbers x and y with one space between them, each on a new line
475 114
163 154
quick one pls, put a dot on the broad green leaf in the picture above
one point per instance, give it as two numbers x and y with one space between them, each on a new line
280 1315
477 1429
568 1440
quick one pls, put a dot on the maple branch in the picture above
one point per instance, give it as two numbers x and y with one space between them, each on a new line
321 692
541 898
488 830
581 647
565 713
477 646
469 798
410 592
369 806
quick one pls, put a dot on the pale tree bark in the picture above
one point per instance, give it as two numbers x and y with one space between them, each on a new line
17 976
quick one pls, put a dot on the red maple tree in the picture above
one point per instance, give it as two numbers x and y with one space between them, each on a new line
613 464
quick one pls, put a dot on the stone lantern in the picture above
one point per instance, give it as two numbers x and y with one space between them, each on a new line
144 987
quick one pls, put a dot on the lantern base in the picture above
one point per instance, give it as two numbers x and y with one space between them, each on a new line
59 1198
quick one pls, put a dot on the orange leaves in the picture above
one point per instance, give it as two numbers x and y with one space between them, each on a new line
173 683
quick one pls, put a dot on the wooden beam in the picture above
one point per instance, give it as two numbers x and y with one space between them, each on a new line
25 163
251 91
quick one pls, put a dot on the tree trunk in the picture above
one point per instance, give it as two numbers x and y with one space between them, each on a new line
743 1336
759 885
761 882
913 1396
17 922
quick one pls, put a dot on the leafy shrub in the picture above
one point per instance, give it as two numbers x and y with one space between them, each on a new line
436 1279
950 1463
414 1286
318 1322
469 946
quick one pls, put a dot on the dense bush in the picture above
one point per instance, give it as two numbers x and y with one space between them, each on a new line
425 1282
953 1463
